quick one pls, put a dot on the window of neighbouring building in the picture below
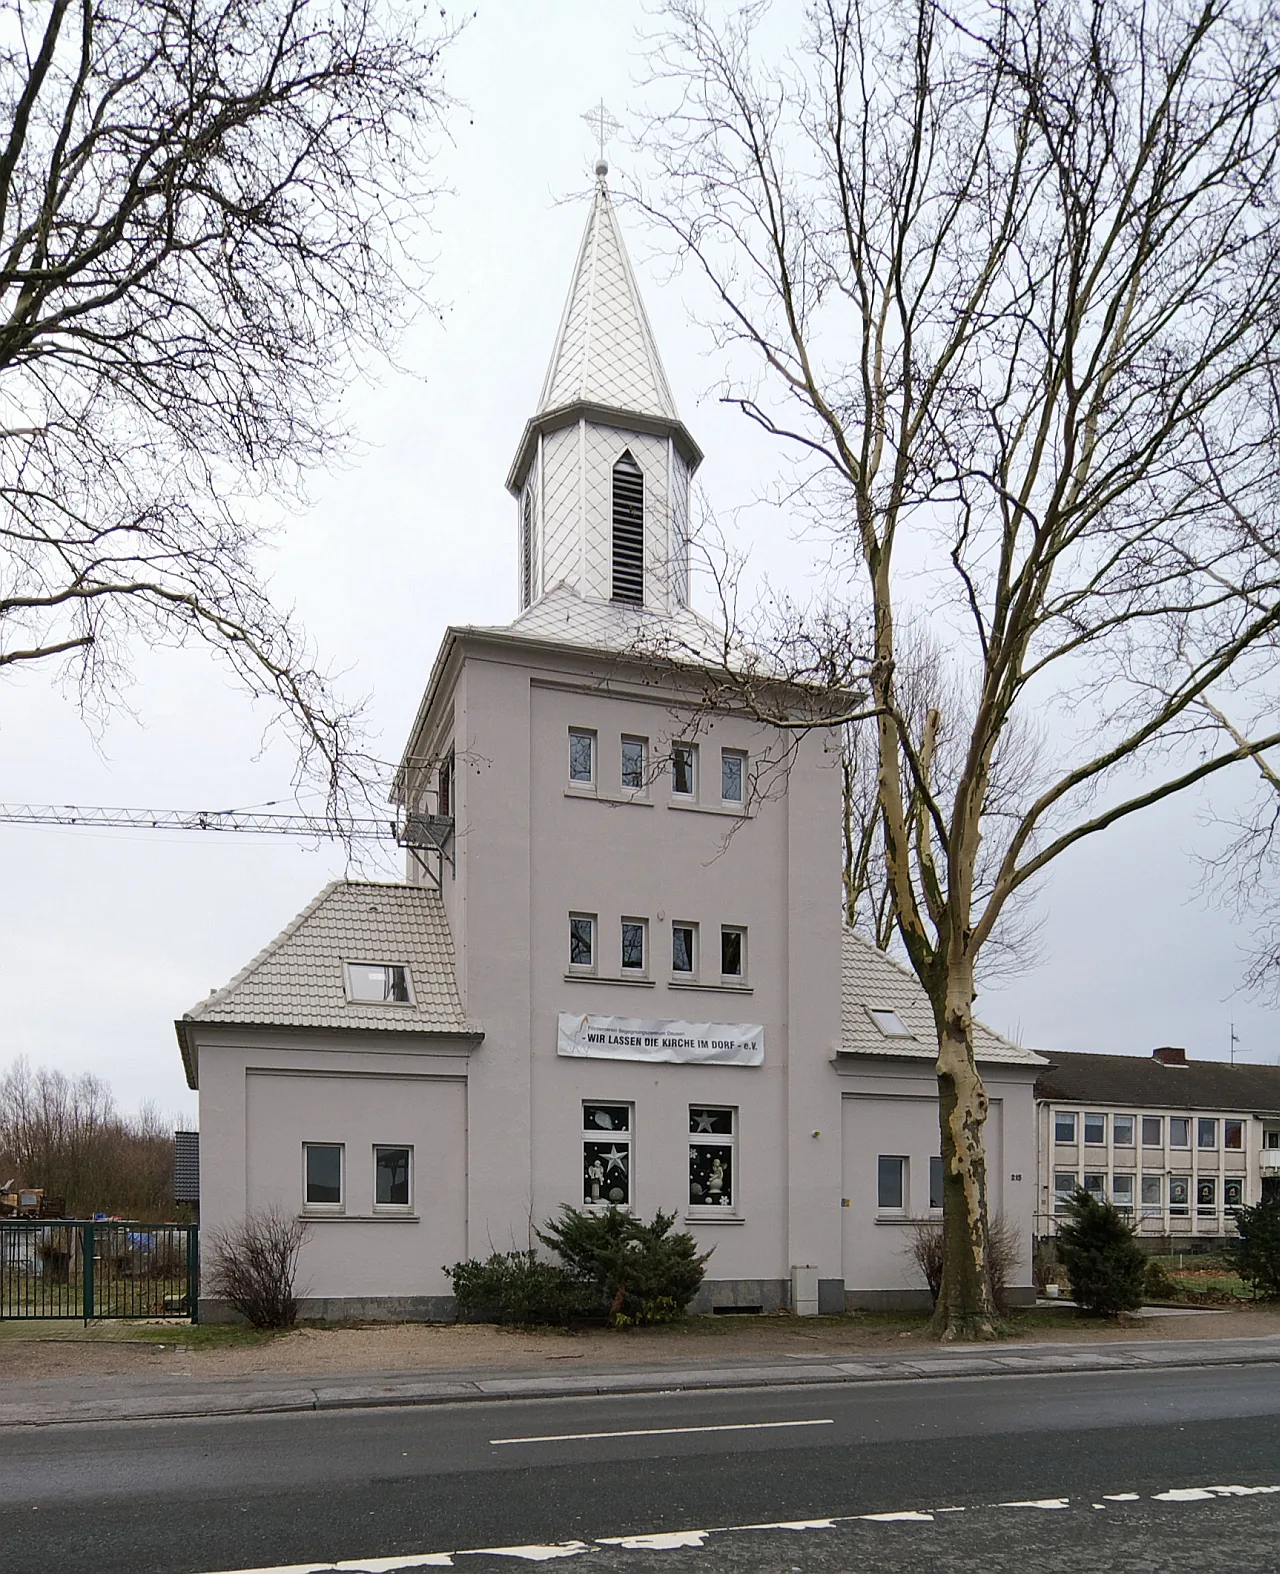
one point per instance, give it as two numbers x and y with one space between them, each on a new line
582 757
935 1183
1233 1134
1180 1195
1179 1131
1065 1185
1122 1131
1095 1129
684 769
733 775
1122 1192
322 1171
711 1156
1206 1196
1153 1194
1064 1125
378 983
633 945
582 940
1096 1186
733 954
635 764
1152 1131
684 949
606 1154
1206 1132
1233 1191
891 1184
1271 1138
391 1177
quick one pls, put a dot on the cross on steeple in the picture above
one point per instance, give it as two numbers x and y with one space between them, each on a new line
602 123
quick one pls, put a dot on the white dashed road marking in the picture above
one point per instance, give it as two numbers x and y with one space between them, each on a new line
659 1431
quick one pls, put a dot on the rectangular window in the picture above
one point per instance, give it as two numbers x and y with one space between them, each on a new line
606 1154
635 764
1122 1192
1206 1132
1152 1131
1153 1194
1271 1139
935 1183
1233 1192
1233 1134
733 776
391 1177
1095 1129
684 769
1206 1198
711 1154
582 940
733 954
1064 1125
1096 1186
891 1184
323 1167
1179 1194
378 983
1179 1131
1122 1131
582 757
633 945
1065 1186
684 949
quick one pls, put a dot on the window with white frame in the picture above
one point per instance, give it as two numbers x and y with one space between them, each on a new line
1122 1192
1064 1126
392 1177
1179 1131
1153 1194
733 954
1232 1192
1096 1186
733 776
891 1183
1180 1195
684 950
322 1171
712 1138
635 945
378 983
582 942
1153 1131
606 1155
1206 1196
1065 1186
1206 1132
1271 1138
935 1184
1122 1131
684 769
889 1022
635 763
1233 1135
1095 1130
582 757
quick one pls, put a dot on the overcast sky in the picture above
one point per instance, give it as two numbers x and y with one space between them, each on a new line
106 937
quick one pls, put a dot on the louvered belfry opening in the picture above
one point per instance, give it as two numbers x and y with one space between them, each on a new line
526 549
628 531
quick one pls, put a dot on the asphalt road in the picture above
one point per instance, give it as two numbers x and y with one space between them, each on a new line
1081 1472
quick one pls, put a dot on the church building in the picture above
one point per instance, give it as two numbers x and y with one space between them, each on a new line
616 972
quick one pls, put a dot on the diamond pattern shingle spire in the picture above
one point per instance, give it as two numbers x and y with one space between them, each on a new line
605 352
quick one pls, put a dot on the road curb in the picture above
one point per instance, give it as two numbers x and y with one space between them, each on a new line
1024 1361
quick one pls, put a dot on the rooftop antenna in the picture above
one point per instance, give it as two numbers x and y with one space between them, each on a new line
1235 1039
603 124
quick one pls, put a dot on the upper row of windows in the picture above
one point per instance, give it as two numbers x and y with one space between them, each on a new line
635 772
1123 1127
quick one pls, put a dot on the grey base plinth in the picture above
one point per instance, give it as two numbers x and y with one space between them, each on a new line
920 1300
767 1295
351 1309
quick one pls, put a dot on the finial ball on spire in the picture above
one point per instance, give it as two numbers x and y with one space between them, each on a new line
602 168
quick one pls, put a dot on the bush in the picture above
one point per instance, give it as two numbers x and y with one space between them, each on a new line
640 1273
1104 1264
1157 1285
519 1288
1003 1242
1255 1256
253 1267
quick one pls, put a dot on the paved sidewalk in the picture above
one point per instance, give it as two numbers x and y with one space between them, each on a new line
52 1401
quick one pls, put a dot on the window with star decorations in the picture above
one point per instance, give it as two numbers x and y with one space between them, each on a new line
606 1155
711 1154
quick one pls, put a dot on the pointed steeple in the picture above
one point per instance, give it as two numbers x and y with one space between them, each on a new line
605 351
603 470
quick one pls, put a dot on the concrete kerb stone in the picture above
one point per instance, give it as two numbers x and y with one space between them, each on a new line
979 1361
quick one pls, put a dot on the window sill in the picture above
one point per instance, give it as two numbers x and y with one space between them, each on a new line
728 813
713 1216
934 1216
607 978
720 989
638 798
389 1217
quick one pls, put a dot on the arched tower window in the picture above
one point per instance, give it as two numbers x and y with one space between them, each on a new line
526 548
628 530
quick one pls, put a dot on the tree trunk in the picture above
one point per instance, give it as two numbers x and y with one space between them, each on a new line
965 1307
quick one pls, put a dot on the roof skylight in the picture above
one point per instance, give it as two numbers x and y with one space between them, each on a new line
378 983
890 1023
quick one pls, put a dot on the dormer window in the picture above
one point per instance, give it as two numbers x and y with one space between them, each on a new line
628 531
378 983
890 1023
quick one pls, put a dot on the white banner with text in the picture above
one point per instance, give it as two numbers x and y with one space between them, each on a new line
685 1043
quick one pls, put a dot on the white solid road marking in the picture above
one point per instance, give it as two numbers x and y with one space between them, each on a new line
658 1431
671 1540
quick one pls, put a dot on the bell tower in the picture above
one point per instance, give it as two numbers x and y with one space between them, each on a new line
602 475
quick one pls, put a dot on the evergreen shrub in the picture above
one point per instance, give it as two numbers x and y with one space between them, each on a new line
1105 1266
1255 1256
640 1273
519 1288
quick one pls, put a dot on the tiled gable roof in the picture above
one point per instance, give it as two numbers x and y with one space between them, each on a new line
1142 1081
297 980
872 981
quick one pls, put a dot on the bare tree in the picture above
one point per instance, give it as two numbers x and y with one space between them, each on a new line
205 214
1007 277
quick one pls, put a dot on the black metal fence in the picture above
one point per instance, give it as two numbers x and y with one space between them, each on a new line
90 1268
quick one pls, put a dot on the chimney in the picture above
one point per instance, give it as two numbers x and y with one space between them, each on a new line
1168 1055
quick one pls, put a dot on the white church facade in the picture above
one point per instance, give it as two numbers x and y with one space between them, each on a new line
616 971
